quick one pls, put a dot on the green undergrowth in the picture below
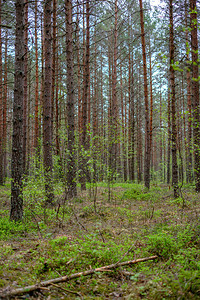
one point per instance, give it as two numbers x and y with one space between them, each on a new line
78 236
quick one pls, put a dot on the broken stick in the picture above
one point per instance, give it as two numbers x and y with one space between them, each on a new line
43 284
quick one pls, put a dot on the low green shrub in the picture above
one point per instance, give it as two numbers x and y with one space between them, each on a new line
9 228
162 244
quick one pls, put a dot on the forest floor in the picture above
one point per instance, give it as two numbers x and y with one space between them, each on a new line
93 231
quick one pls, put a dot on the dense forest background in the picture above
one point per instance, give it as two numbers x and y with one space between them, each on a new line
99 149
94 91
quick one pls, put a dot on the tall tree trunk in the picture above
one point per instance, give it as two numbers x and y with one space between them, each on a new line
147 127
86 92
71 166
1 108
95 123
173 105
53 92
132 127
151 107
5 109
57 106
78 70
169 137
36 133
189 173
161 140
139 134
113 120
47 140
195 92
16 212
25 90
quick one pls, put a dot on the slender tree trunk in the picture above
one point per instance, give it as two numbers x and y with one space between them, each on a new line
147 128
16 212
195 92
25 90
5 109
189 173
173 106
48 162
132 128
169 138
151 107
84 111
57 106
71 167
1 108
95 104
53 91
78 70
161 140
36 133
113 119
86 94
29 118
123 158
184 137
139 135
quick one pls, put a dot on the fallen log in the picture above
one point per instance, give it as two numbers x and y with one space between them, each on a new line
43 284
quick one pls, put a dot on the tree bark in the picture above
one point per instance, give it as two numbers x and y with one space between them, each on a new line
1 108
47 140
189 172
16 212
169 137
71 166
195 92
147 125
173 105
36 131
5 108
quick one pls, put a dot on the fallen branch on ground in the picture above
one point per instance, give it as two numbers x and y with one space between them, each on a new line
43 284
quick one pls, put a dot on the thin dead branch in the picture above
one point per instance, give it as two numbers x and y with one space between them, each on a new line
66 278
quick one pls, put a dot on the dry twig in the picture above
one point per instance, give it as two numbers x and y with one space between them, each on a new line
43 284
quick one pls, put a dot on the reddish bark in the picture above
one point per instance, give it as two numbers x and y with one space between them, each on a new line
85 103
147 125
